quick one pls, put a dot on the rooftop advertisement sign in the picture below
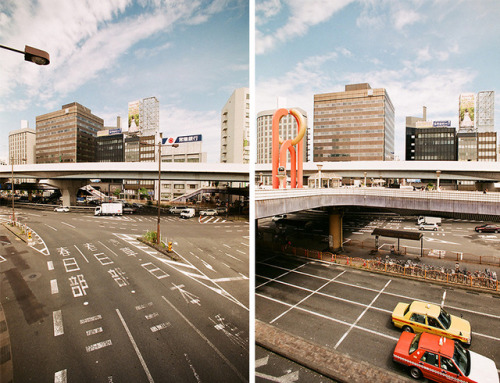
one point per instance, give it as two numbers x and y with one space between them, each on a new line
466 111
182 139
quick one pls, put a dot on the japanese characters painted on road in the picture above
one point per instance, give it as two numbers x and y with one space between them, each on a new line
279 153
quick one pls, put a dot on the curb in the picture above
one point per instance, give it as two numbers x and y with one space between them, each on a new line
330 363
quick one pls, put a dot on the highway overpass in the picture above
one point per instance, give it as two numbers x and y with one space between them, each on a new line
69 177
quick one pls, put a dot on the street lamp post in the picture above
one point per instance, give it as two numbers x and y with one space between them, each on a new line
31 54
159 192
12 189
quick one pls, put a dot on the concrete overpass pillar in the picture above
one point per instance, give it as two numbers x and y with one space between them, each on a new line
68 189
335 237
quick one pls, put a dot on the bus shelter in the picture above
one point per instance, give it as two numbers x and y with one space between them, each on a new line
399 234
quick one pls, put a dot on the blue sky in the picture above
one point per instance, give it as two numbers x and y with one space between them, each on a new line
190 54
424 52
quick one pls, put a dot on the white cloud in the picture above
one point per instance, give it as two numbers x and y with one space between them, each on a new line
404 17
302 15
81 49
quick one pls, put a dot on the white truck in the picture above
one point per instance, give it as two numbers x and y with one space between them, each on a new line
428 220
112 208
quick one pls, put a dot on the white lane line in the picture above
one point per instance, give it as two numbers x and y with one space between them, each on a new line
53 228
139 355
94 331
58 323
64 223
97 346
361 315
90 319
50 265
108 248
242 252
444 297
54 289
61 376
226 245
235 370
302 300
229 255
83 255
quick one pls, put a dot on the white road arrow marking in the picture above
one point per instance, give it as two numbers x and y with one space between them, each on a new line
262 362
208 266
291 377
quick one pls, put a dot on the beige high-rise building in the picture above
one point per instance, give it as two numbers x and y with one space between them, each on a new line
67 135
354 125
235 128
287 129
22 145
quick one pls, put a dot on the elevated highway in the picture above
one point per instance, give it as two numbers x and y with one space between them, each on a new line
69 177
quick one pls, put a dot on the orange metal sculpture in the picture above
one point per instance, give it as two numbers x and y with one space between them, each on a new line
279 153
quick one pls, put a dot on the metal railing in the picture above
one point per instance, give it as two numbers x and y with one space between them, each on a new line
448 195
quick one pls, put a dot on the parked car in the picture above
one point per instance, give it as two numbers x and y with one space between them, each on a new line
176 209
442 360
208 212
129 209
64 209
427 317
487 228
428 226
277 218
221 210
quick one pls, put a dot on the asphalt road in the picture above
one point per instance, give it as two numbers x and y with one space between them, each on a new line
90 303
453 235
350 310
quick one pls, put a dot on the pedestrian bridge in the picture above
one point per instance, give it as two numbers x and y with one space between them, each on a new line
270 202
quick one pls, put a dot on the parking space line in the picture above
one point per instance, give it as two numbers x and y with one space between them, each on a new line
328 317
361 315
326 295
282 275
374 290
311 294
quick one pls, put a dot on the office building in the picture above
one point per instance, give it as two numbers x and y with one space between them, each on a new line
187 149
486 146
411 127
110 144
436 143
67 135
22 145
139 149
235 128
287 128
354 125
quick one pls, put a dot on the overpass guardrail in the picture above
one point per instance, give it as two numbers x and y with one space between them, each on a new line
481 281
451 195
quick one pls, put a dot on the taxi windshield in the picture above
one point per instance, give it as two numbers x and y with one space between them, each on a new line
414 344
461 357
445 319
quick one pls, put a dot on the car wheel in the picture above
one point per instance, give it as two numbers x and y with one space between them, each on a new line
407 329
415 373
480 231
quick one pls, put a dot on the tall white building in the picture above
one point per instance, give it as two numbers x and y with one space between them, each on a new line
485 111
22 144
144 116
287 129
235 128
189 150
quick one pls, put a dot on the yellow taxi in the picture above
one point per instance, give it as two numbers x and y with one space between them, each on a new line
427 317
